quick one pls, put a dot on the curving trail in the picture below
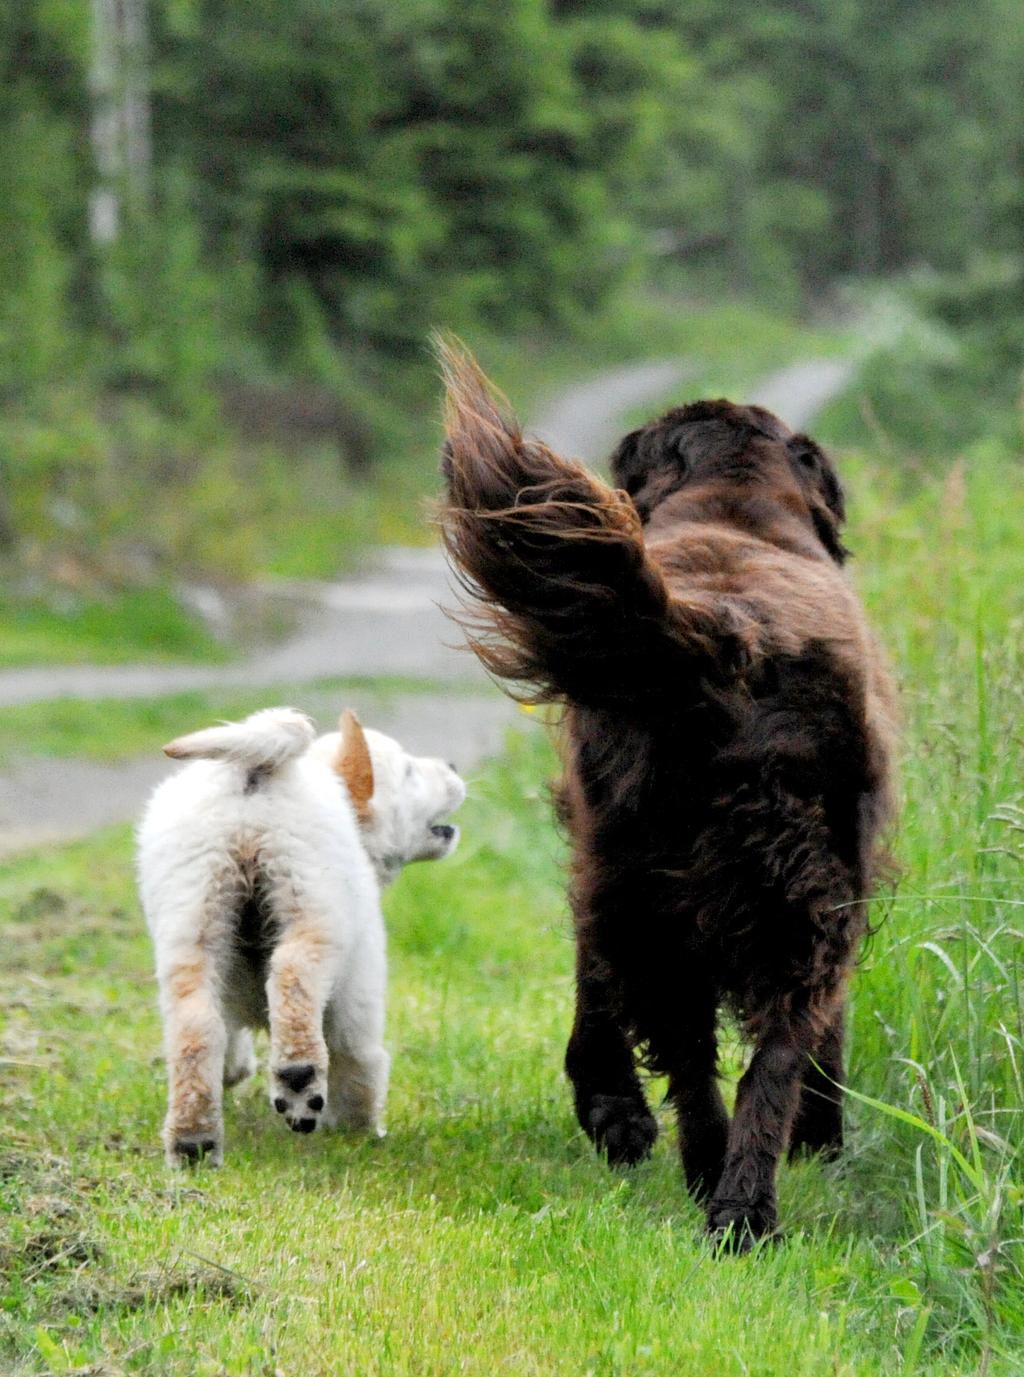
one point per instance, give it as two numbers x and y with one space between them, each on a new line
386 620
799 392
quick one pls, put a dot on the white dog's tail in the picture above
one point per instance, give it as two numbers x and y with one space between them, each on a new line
263 741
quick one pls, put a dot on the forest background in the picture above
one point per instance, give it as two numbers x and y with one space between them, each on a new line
227 230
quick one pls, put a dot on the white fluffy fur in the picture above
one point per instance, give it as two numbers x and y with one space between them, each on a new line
262 893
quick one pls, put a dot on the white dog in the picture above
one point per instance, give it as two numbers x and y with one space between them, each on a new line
260 870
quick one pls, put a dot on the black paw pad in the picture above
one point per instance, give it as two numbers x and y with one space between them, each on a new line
280 1105
297 1077
316 1103
302 1125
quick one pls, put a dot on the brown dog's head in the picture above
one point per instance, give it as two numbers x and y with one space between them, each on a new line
730 449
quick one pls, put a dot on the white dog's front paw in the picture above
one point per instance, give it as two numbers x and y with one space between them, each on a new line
358 1090
240 1058
354 1118
299 1092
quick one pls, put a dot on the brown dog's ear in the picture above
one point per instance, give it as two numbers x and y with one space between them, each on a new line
827 500
629 467
353 763
645 469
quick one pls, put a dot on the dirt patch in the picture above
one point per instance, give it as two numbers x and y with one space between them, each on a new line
36 929
151 1289
55 1271
44 1232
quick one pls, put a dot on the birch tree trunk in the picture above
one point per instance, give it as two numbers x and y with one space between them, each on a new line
119 85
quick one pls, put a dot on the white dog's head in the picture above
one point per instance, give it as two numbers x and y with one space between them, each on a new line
400 800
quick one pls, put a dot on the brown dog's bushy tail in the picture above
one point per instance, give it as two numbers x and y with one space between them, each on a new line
564 601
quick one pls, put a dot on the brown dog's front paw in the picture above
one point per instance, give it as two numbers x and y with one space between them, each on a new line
623 1129
817 1138
702 1169
736 1227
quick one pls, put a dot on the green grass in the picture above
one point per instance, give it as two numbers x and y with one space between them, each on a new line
128 625
111 729
482 1235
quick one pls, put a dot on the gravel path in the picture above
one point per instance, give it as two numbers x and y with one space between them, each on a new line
799 392
384 621
48 801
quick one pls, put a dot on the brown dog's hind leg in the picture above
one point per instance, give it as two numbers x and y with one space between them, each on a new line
703 1121
743 1207
610 1103
818 1127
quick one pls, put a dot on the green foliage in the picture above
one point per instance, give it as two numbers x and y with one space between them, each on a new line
417 163
112 729
34 266
897 118
114 626
136 496
42 210
422 163
171 338
944 371
330 181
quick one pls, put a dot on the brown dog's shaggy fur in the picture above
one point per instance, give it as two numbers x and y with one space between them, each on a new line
730 730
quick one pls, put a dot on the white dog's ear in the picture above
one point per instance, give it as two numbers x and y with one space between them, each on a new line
353 763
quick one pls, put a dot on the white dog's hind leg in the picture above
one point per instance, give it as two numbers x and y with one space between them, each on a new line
357 1089
239 1058
358 1080
196 1040
297 989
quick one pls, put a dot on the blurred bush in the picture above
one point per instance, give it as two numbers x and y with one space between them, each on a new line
242 220
944 368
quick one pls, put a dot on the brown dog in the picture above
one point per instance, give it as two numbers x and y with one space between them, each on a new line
730 730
